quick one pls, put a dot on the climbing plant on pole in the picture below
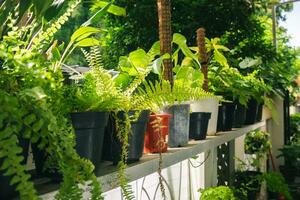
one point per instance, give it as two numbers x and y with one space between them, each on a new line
165 36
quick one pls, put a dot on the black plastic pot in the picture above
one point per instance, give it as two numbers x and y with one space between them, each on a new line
89 129
198 125
248 180
135 140
8 191
251 112
40 157
225 116
259 112
239 115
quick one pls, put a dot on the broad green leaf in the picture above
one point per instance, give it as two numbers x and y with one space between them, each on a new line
196 49
139 58
37 93
122 80
126 66
155 50
88 42
220 58
221 47
83 32
96 17
250 62
180 40
113 9
157 66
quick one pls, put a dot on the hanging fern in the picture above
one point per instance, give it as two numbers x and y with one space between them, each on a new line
44 38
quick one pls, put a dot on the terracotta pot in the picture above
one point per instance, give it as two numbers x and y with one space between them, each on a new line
151 143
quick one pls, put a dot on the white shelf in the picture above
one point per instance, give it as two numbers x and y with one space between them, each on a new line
149 163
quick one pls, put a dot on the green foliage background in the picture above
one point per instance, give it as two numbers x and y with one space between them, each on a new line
243 25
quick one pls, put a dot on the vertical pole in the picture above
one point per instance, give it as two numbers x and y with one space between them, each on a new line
274 26
203 57
165 36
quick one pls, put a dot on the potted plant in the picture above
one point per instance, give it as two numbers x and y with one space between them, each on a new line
32 83
276 185
34 110
215 57
257 142
247 180
291 167
187 72
218 193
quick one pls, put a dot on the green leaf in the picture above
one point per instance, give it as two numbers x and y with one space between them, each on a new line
29 119
113 9
122 80
37 125
180 40
83 32
54 9
155 50
139 58
37 93
157 66
96 17
41 6
249 62
126 66
220 58
88 42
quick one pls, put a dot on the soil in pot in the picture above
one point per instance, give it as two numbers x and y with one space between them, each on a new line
251 112
179 125
135 140
198 125
239 115
89 129
248 180
152 138
8 191
225 116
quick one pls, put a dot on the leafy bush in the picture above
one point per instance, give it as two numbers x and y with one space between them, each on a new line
217 193
257 142
295 128
276 183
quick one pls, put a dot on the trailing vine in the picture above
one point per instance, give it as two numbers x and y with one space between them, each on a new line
123 128
157 126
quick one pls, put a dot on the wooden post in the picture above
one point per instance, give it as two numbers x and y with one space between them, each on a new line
203 57
165 36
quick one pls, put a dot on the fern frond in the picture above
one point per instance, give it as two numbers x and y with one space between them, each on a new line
162 94
44 37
